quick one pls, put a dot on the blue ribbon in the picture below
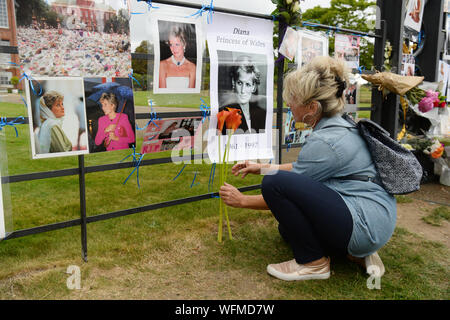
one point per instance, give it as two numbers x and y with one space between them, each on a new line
195 176
204 8
205 109
136 164
133 78
25 76
4 123
288 147
150 6
153 117
179 172
361 69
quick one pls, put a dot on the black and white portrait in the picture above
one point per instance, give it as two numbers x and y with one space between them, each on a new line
242 80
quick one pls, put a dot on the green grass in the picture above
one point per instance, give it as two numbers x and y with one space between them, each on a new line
403 199
436 217
173 253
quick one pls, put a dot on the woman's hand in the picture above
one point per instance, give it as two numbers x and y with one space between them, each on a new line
231 196
113 137
110 128
245 168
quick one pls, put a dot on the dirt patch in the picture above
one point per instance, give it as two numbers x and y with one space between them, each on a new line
429 197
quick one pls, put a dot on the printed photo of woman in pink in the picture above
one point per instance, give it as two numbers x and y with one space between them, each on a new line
114 129
110 114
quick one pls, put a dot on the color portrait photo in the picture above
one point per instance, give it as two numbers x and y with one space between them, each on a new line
110 114
56 107
178 60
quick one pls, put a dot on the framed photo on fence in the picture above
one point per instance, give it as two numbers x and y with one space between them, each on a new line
56 107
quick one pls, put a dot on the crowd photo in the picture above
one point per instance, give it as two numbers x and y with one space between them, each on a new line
63 40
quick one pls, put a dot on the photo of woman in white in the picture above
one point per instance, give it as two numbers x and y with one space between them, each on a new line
176 58
177 71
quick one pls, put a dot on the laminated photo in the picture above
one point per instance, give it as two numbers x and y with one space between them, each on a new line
110 114
414 13
171 134
289 44
178 55
446 55
351 97
310 45
56 108
74 38
408 65
346 47
241 71
295 132
443 77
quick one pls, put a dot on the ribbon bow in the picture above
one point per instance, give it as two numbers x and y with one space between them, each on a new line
153 117
204 8
149 6
4 123
136 165
130 75
26 76
205 109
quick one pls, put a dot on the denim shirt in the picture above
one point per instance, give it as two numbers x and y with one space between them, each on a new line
335 149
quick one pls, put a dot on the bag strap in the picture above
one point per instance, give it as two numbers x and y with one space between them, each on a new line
360 178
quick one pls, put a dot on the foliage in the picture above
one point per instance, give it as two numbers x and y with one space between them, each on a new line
349 14
288 11
26 9
14 80
118 23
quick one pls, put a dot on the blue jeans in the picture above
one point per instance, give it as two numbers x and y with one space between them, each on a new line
313 219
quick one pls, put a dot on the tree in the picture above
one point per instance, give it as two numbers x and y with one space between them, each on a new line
347 14
26 9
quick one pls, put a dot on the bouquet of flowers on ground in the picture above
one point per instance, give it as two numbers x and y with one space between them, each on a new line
407 86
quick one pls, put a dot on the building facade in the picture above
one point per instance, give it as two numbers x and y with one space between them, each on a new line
8 37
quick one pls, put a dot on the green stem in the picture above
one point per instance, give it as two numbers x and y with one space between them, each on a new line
227 151
219 234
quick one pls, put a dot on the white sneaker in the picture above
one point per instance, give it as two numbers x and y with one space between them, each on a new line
291 270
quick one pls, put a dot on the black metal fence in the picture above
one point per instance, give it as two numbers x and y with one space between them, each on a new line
83 170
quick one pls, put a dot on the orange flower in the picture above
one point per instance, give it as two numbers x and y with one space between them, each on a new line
234 119
221 117
438 152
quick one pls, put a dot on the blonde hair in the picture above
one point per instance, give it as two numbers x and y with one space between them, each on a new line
51 97
320 80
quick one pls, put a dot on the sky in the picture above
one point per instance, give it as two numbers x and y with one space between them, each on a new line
257 6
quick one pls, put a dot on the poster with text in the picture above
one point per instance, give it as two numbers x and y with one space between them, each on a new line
110 114
414 13
346 47
171 134
74 38
178 54
310 44
56 108
242 68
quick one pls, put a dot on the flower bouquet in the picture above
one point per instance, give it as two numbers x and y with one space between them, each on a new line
407 87
232 119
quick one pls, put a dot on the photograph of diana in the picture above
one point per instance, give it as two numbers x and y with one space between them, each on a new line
242 83
110 114
177 58
58 120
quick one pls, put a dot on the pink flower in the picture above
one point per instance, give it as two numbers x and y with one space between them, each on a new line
426 104
432 94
